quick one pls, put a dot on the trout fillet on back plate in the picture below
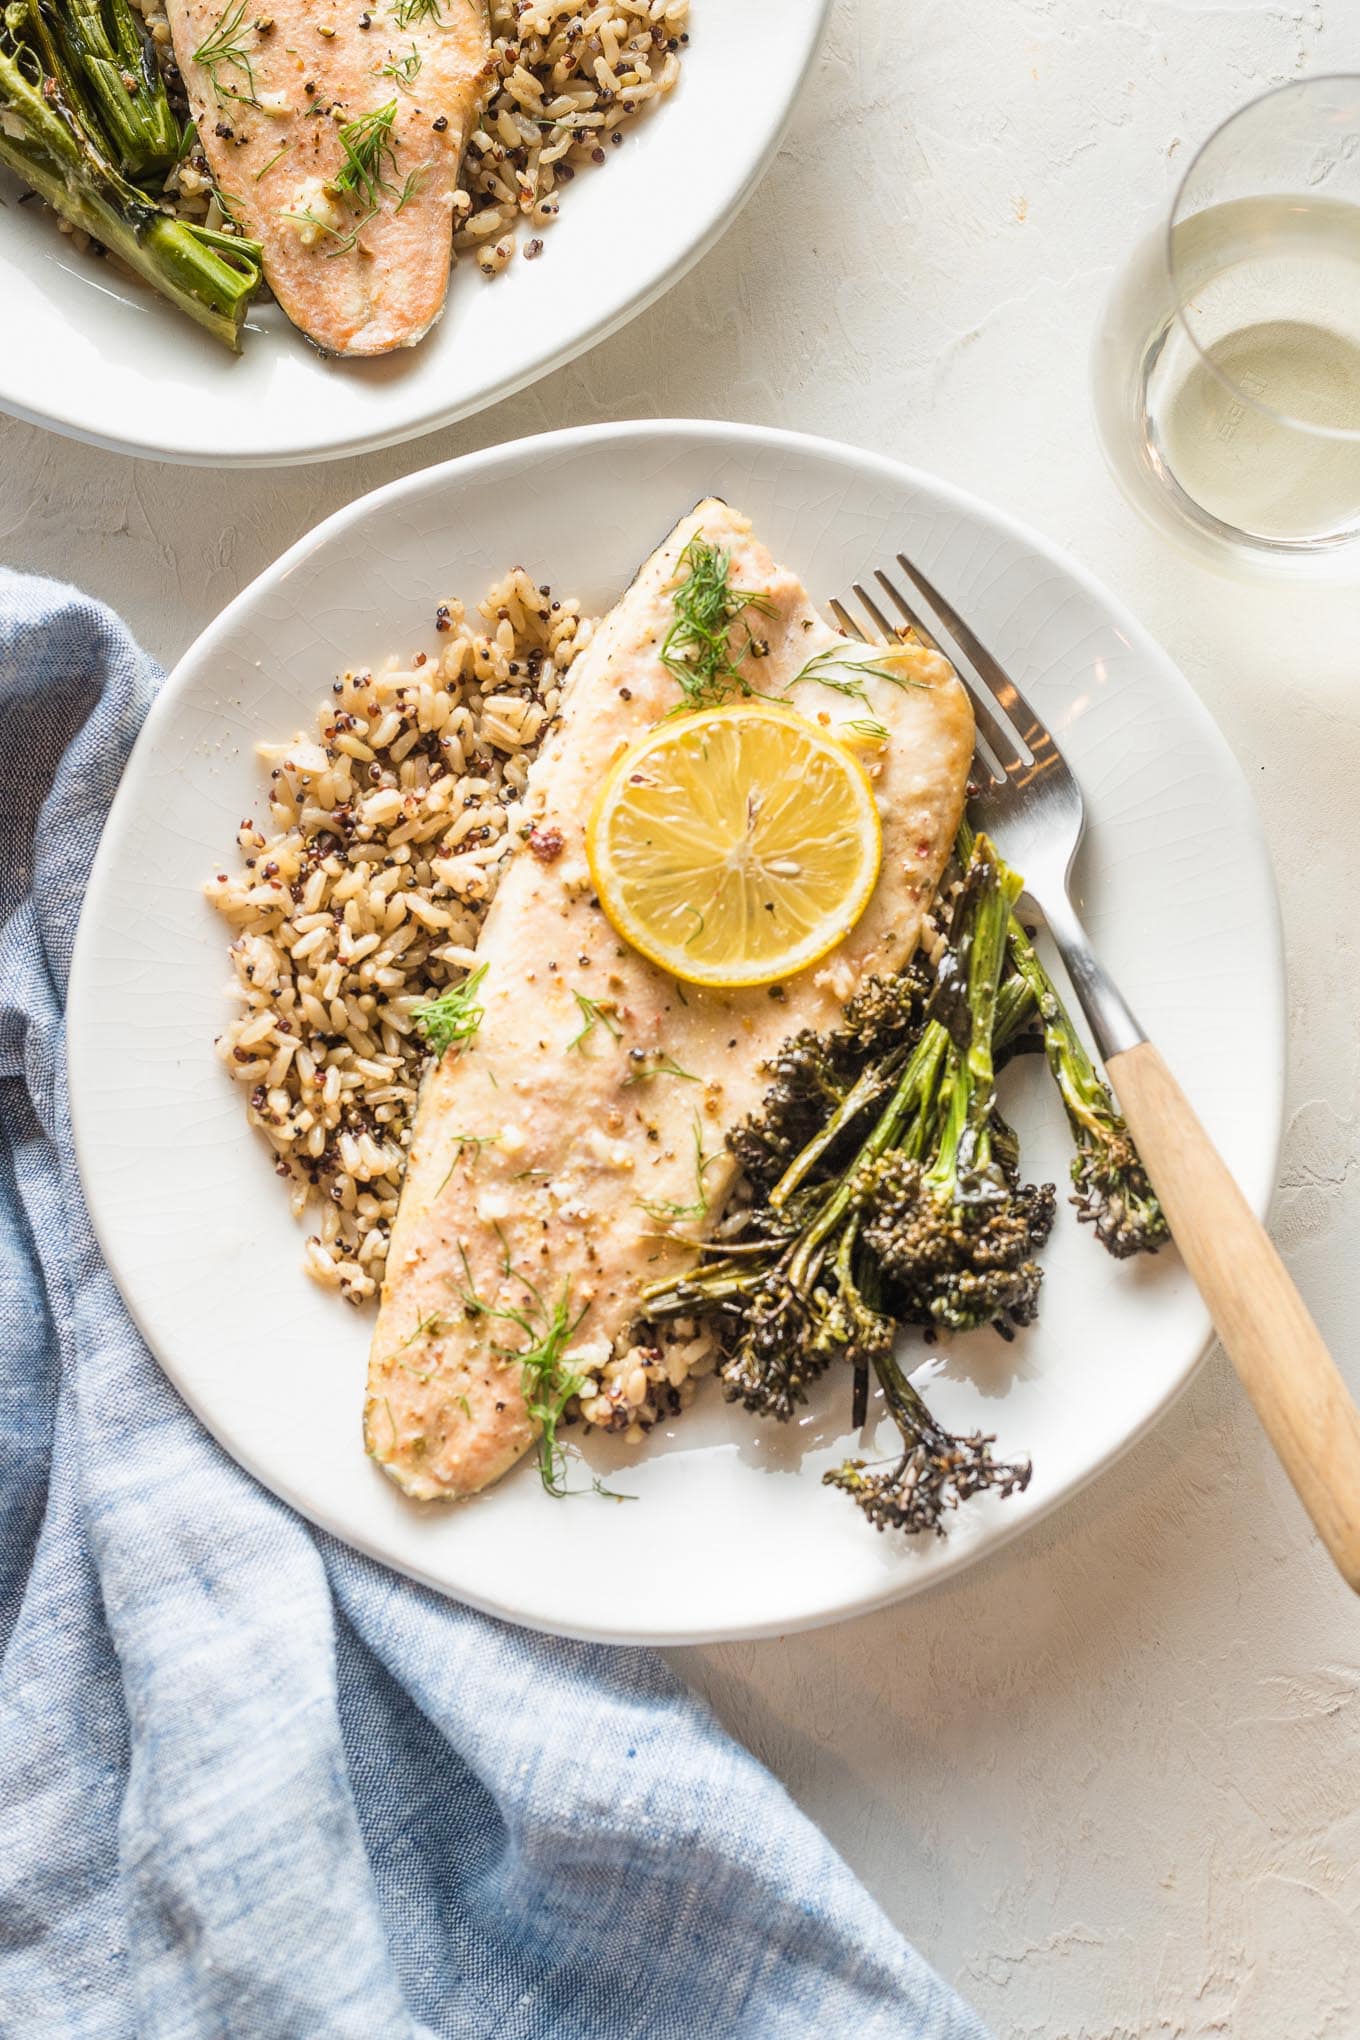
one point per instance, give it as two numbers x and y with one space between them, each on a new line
533 1158
274 90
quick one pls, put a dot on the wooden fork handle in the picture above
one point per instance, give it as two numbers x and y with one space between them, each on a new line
1260 1317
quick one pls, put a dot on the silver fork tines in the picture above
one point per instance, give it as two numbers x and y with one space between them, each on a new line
1022 792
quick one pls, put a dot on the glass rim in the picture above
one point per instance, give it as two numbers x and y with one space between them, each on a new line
1344 435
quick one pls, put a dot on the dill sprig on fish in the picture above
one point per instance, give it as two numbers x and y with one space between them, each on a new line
410 188
267 166
453 1017
547 1382
595 1016
225 48
832 661
403 71
679 1214
367 143
306 216
700 649
405 12
646 1067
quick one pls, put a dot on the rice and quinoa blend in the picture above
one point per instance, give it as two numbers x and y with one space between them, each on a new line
360 896
568 78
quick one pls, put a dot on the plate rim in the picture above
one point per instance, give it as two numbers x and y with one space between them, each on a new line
723 434
440 417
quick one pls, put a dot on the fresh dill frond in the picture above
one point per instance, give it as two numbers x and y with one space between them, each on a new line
475 1141
465 1141
677 1214
453 1017
403 71
700 650
224 48
595 1016
367 143
343 242
427 1325
413 182
832 660
407 12
694 937
872 732
264 167
663 1066
472 1303
547 1383
465 1406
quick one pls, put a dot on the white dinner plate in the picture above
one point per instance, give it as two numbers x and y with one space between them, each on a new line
731 1533
94 353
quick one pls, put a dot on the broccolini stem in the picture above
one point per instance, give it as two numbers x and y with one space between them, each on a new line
1014 1011
970 1085
864 1286
1083 1091
1111 1187
914 1088
870 1086
909 1412
677 1296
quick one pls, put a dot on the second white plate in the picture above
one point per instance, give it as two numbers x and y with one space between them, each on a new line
731 1533
91 352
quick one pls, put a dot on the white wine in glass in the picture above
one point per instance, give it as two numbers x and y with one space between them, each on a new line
1227 365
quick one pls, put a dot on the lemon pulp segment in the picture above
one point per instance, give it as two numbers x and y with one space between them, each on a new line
735 847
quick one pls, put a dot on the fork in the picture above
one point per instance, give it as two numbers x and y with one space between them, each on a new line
1028 798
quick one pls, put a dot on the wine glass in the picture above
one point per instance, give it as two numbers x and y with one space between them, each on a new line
1227 363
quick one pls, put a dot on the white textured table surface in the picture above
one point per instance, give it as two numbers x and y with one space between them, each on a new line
1109 1781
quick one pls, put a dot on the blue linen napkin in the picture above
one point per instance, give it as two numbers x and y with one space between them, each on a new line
251 1783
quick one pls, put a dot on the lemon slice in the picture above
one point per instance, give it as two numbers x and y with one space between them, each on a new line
736 846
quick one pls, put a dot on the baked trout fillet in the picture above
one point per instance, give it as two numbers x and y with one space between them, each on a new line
572 1150
335 135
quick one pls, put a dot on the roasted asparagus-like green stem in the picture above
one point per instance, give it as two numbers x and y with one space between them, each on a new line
210 276
104 68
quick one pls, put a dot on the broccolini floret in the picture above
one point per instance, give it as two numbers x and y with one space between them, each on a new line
1111 1188
1112 1192
822 1083
887 1192
922 1220
957 1261
952 1231
934 1472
